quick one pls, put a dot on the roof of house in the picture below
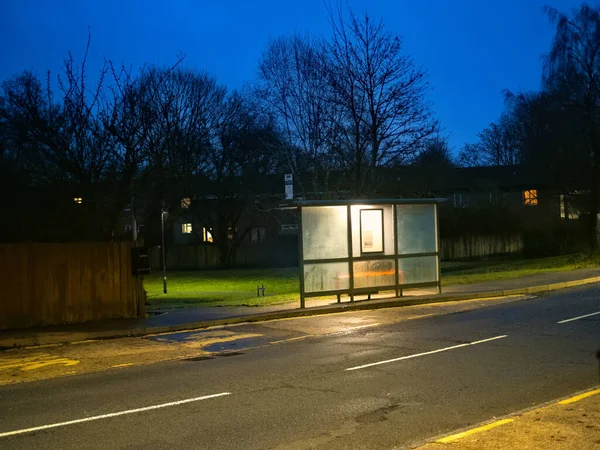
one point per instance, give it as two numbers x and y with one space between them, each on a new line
376 201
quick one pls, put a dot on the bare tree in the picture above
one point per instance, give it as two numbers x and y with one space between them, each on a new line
498 143
26 115
163 123
130 118
436 154
186 106
22 103
82 145
64 145
381 110
573 66
471 155
293 88
240 155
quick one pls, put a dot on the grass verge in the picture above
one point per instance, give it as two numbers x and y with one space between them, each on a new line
238 287
508 268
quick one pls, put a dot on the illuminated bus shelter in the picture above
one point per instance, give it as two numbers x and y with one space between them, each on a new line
363 247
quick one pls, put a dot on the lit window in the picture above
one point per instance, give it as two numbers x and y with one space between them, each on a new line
77 199
206 235
186 228
186 202
530 197
230 233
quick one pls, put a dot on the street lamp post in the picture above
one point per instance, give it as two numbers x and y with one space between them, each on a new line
163 213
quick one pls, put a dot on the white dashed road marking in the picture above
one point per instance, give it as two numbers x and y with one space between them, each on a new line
387 361
580 317
115 414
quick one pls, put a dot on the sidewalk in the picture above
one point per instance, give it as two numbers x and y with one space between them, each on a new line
572 423
190 318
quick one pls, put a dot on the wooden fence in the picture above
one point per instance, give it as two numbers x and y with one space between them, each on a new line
44 284
285 253
470 247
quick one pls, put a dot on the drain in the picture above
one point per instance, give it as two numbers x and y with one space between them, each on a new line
199 358
224 354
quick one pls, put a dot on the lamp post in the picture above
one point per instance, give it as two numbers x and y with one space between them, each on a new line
163 213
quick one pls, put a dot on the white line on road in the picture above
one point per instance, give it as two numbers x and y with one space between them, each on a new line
426 353
107 416
580 317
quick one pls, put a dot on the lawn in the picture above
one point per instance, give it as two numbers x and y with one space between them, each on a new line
238 287
223 287
507 268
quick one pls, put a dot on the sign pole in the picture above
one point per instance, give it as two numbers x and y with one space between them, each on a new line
164 259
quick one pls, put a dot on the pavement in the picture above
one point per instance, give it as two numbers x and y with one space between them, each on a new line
441 375
195 318
566 424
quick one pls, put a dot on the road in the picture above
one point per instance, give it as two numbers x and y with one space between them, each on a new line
387 386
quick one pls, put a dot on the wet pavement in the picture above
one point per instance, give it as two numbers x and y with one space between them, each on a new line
55 360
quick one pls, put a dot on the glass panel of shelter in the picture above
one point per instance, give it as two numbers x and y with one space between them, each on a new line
324 232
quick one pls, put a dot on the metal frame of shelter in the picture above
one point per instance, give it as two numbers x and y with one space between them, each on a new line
372 204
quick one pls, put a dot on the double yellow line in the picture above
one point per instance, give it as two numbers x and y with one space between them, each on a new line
489 426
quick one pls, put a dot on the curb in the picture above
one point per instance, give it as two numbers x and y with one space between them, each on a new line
571 398
27 339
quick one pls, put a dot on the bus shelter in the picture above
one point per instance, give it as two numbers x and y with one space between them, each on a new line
363 247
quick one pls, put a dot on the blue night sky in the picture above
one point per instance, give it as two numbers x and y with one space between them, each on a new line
472 49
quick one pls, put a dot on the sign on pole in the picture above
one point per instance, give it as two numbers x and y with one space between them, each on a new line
289 187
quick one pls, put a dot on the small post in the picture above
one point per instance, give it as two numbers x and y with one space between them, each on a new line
437 248
350 249
396 266
301 259
259 289
164 259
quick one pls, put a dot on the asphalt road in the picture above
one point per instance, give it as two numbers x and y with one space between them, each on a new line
408 381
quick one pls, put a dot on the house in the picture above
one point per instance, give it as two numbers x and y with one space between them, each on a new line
498 200
479 201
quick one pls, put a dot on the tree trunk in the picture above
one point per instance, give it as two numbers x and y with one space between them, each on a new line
224 255
594 185
594 198
593 219
223 247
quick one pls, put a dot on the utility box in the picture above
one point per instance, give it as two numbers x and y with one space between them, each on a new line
140 261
